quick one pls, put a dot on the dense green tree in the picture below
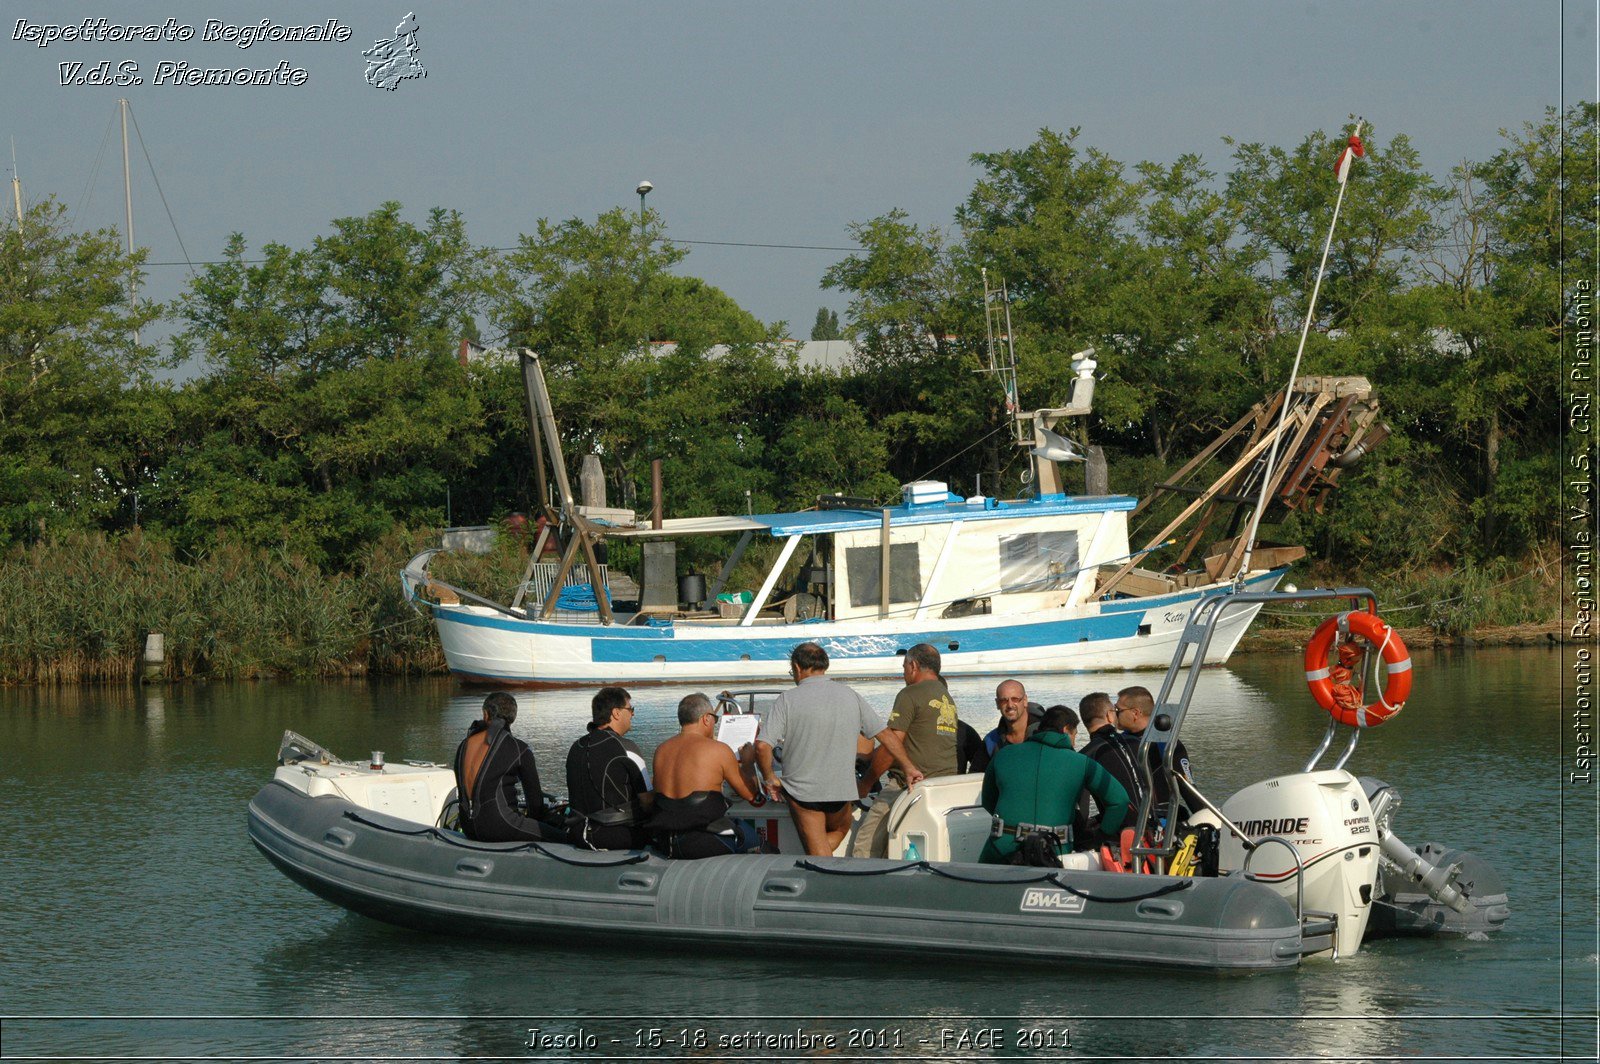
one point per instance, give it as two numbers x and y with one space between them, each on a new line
916 315
1188 342
1523 236
79 414
585 296
1286 199
1058 223
831 448
333 404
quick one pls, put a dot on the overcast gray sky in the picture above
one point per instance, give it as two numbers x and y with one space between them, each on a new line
757 123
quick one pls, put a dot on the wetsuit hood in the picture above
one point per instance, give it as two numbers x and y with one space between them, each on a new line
1051 738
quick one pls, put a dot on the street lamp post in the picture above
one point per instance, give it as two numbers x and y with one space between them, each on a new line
644 250
643 190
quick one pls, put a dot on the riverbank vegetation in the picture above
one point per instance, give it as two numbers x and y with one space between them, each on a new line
258 510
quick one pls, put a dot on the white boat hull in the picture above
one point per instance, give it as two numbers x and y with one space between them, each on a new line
485 645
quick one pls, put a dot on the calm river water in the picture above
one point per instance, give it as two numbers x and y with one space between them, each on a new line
139 921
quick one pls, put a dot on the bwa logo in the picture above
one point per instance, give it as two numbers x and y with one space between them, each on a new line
1049 900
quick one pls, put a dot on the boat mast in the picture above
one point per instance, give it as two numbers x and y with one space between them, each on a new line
127 200
1288 389
542 421
16 185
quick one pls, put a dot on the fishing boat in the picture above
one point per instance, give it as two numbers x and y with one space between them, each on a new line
1044 583
1302 865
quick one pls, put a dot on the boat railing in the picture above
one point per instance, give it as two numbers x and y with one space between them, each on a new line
1299 871
1167 718
415 576
729 701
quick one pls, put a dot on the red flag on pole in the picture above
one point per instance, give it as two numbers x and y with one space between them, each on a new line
1354 148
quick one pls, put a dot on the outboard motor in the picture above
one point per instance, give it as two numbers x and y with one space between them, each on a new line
1324 820
1430 890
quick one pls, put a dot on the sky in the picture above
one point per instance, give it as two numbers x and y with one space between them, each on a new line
756 123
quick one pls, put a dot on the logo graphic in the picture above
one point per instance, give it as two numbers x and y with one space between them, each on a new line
393 61
1047 900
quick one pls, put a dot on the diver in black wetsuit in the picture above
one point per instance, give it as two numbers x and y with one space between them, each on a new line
1134 707
606 784
490 763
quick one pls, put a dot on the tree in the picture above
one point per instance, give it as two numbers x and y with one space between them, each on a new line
78 410
1523 229
1286 199
827 325
916 316
1058 223
586 296
378 287
1189 350
333 406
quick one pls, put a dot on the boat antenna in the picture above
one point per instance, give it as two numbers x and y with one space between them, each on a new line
1002 351
1352 149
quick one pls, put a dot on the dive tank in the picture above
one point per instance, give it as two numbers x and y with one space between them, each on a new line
1326 818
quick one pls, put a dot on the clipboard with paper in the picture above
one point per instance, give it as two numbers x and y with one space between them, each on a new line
737 729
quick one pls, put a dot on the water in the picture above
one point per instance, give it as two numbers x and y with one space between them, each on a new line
139 920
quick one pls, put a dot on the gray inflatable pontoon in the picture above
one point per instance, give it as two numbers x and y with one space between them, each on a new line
402 871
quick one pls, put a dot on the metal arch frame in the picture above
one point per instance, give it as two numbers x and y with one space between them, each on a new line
1201 625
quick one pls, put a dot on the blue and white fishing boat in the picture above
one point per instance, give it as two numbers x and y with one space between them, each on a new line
1046 583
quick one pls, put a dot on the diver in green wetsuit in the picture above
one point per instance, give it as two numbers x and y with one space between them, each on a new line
1032 789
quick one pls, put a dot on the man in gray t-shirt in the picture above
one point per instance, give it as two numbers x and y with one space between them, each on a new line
817 724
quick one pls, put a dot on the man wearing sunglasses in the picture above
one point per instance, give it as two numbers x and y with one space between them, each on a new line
606 782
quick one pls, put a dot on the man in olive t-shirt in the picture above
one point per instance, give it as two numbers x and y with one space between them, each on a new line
924 718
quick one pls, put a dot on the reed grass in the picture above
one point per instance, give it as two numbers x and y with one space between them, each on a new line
1452 601
76 609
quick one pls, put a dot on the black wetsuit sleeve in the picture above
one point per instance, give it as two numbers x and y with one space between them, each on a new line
528 773
972 755
1113 797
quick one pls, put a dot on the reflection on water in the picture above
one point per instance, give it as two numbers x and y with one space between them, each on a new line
139 893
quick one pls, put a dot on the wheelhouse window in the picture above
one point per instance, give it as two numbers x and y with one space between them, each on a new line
862 565
1038 561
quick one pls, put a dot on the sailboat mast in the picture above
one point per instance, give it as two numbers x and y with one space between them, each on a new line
127 199
16 185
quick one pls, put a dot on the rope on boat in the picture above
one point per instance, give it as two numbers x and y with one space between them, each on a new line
1043 877
633 858
811 866
1170 888
925 866
462 842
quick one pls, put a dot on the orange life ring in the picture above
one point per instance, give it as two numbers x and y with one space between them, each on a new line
1330 686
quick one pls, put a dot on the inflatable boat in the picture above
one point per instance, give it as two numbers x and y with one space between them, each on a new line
1302 865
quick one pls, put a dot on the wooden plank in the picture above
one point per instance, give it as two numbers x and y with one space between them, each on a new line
1249 456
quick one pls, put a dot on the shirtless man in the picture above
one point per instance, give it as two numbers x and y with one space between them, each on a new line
690 819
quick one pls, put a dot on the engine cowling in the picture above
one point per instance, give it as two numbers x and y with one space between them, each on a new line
1325 816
